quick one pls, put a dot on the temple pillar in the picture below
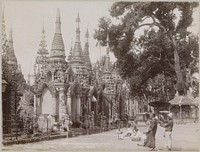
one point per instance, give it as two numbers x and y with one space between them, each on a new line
89 104
54 114
73 108
78 110
35 104
12 99
69 104
62 103
38 104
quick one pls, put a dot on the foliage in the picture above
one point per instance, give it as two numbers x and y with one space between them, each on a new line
195 87
164 45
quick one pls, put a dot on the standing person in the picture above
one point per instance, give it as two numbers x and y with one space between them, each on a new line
119 132
66 125
168 125
151 133
92 120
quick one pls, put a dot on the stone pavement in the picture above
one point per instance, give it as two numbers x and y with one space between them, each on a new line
185 138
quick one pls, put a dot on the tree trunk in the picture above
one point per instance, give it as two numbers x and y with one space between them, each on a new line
177 67
179 75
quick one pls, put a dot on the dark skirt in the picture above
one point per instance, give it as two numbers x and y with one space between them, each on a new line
150 141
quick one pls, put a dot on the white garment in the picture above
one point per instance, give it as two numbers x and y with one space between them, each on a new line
139 135
168 138
119 134
128 132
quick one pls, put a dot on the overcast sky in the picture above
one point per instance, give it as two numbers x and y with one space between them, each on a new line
26 20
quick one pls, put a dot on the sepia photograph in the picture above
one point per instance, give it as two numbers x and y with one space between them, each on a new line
99 75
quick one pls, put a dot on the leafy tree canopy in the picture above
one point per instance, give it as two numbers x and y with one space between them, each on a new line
163 44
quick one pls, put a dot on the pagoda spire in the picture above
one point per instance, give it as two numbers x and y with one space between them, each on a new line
78 21
4 37
43 30
107 59
42 53
87 41
58 22
77 52
86 51
12 60
43 46
87 37
57 49
78 29
70 52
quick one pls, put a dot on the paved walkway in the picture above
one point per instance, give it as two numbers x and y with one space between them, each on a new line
185 138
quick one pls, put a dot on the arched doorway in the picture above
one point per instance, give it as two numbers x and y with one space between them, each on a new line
46 102
93 105
75 103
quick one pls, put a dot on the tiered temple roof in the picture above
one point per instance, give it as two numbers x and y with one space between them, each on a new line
77 54
79 59
57 49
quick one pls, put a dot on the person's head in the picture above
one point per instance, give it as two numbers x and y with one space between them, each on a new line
129 125
170 116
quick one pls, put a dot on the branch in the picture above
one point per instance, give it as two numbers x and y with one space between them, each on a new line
170 64
155 23
142 20
147 24
172 40
158 24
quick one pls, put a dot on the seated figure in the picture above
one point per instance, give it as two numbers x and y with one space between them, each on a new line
129 131
138 136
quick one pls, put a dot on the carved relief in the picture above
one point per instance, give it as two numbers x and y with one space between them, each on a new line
62 105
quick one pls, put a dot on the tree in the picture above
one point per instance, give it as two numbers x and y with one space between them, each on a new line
164 47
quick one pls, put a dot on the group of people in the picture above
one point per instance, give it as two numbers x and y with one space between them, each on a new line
148 137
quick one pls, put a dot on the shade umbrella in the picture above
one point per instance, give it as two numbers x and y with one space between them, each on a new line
159 104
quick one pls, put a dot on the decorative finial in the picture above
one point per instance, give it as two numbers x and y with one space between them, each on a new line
3 17
78 20
58 15
43 31
78 17
58 21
